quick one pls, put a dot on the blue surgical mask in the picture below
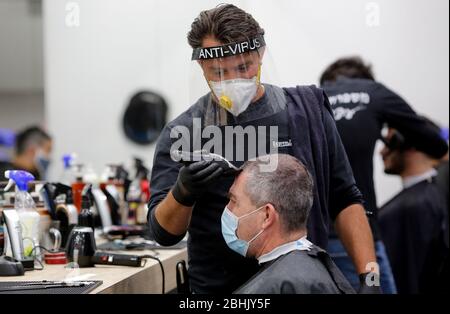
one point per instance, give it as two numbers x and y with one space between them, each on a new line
230 224
42 163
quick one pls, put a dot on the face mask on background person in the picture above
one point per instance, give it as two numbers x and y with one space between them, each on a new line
230 224
42 162
236 95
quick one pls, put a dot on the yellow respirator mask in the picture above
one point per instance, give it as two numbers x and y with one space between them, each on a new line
227 69
236 95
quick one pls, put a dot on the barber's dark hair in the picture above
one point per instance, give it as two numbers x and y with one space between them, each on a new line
33 135
289 188
226 22
351 67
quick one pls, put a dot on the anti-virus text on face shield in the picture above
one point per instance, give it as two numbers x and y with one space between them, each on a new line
228 50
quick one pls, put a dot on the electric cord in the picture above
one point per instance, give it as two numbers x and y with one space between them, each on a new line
39 247
40 263
162 269
35 256
31 253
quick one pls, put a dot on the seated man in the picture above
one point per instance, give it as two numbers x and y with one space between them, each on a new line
266 219
413 224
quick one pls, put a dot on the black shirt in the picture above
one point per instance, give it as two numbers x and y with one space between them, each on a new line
213 267
4 166
442 179
361 108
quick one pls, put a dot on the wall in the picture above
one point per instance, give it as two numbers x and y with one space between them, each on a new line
21 55
119 47
21 64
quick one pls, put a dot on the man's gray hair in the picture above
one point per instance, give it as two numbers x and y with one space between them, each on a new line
289 189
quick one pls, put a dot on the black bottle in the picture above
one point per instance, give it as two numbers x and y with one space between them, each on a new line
86 216
63 215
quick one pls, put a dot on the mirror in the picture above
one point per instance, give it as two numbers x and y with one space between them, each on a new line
145 117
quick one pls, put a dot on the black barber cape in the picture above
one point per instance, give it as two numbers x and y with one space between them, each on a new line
442 179
442 183
298 272
361 107
412 226
307 131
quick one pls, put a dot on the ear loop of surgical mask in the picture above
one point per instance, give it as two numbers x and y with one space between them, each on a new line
254 238
246 215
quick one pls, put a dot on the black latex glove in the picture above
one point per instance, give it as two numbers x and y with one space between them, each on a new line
364 288
193 180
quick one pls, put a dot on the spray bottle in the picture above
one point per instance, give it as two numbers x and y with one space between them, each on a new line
26 209
68 176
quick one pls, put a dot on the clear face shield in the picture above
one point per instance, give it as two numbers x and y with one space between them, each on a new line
225 81
233 76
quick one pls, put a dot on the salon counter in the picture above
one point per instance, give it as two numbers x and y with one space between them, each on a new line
117 279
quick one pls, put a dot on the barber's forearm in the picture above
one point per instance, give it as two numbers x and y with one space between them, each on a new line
172 216
354 231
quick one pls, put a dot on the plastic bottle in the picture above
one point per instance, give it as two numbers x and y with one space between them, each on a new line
77 186
122 185
134 200
142 174
109 188
90 176
68 176
65 211
26 209
86 217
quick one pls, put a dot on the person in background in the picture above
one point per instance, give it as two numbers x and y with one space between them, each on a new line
361 107
266 217
414 224
33 148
